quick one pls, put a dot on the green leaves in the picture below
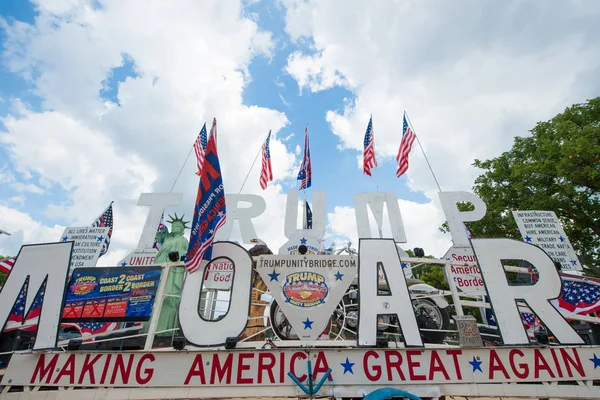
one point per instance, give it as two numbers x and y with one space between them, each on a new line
556 168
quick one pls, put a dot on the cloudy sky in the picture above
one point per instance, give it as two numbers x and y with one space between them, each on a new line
101 100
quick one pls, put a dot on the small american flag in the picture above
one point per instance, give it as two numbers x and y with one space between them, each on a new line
266 173
7 264
92 328
210 208
19 315
580 295
528 319
369 160
305 174
408 137
162 227
105 221
200 148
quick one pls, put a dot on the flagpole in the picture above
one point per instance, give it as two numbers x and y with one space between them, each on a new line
376 176
185 162
423 151
250 170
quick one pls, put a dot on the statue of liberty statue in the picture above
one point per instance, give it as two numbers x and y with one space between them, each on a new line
171 242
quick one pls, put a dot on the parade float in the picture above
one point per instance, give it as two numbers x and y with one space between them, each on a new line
211 318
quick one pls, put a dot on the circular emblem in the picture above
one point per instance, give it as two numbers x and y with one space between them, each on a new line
305 289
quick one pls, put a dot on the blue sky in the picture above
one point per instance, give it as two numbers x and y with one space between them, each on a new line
102 100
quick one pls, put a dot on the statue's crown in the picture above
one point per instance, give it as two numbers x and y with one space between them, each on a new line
177 219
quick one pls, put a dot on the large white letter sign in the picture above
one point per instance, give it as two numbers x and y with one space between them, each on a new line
374 253
157 203
291 215
362 201
457 218
39 263
201 332
503 297
243 215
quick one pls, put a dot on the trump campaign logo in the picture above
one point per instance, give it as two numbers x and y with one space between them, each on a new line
305 289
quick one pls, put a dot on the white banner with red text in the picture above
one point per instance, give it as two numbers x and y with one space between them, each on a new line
271 367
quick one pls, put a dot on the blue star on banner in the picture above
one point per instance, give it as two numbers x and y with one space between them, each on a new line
404 265
65 238
574 262
100 238
476 364
562 239
274 276
348 366
308 323
123 264
303 241
338 276
596 361
528 239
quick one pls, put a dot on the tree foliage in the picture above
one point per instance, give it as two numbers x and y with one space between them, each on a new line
556 168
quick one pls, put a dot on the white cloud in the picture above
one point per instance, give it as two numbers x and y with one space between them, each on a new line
27 187
23 230
470 78
191 62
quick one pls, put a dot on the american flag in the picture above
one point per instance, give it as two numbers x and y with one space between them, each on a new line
103 221
199 149
7 264
305 173
408 137
18 316
92 328
580 295
309 216
528 319
162 227
369 160
266 173
210 210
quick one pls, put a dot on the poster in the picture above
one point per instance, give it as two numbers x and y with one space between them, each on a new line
87 244
543 229
467 278
219 274
105 294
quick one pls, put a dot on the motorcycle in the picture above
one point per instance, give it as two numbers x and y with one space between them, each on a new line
429 306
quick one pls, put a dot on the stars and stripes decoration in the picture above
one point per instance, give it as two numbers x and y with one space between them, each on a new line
408 138
105 221
209 211
305 173
162 227
580 295
92 328
7 264
266 172
20 316
200 148
369 160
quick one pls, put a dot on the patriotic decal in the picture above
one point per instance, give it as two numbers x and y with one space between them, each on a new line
266 173
210 210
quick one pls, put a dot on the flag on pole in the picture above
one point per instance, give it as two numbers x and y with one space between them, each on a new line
105 221
199 149
20 316
7 264
266 173
305 173
309 216
408 137
369 160
210 210
162 227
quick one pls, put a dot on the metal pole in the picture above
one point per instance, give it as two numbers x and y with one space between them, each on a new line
423 151
250 170
160 294
454 290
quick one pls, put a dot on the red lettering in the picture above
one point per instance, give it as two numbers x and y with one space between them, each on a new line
414 364
148 371
540 363
88 368
524 367
376 368
197 369
105 369
455 354
296 355
436 365
219 370
556 363
208 167
120 365
570 362
67 369
262 366
389 364
496 365
281 366
321 366
243 367
45 371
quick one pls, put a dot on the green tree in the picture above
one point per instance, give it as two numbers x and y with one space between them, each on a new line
557 168
3 275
